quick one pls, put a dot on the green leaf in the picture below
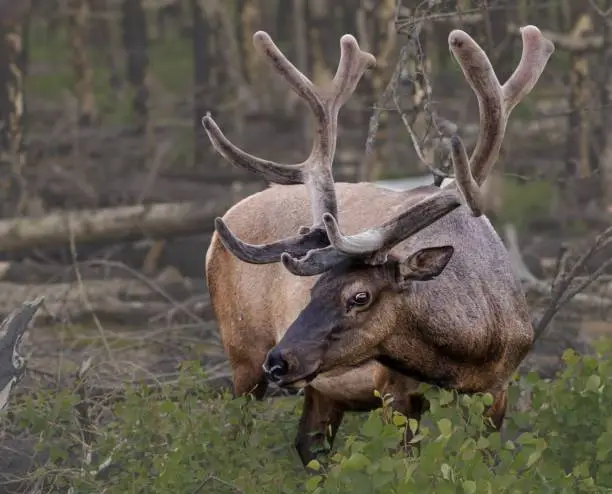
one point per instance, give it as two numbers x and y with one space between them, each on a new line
532 377
487 399
387 464
570 357
582 470
314 464
413 425
482 443
410 469
469 486
357 461
337 458
540 444
533 457
446 427
446 397
446 471
526 438
373 426
593 383
416 439
399 419
313 482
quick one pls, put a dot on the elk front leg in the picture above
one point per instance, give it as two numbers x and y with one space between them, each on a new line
412 406
321 417
405 400
497 411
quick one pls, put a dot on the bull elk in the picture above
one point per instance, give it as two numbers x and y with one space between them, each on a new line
385 289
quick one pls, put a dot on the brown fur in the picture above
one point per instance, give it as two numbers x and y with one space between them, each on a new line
471 324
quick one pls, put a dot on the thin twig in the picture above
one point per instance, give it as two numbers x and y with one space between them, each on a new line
83 292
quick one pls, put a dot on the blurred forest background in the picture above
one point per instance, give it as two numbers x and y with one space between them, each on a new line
109 185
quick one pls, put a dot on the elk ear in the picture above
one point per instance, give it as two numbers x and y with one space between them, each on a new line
425 264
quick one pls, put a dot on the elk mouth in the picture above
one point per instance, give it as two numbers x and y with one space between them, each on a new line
299 382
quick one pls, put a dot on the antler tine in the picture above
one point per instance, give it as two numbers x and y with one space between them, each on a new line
316 171
315 262
269 170
536 52
496 102
463 176
296 246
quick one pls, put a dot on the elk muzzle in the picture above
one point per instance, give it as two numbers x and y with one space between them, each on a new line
287 367
297 358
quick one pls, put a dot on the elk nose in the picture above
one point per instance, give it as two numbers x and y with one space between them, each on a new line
276 366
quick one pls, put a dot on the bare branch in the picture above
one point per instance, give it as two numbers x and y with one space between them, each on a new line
561 291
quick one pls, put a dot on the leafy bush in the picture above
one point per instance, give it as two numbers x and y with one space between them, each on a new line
185 438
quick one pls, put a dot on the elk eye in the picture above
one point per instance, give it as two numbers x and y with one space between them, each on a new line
360 298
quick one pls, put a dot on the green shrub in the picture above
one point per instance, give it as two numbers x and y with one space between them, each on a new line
563 443
186 438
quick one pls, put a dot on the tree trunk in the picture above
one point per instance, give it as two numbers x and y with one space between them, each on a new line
201 64
104 36
136 47
602 134
12 153
227 59
83 72
378 36
578 163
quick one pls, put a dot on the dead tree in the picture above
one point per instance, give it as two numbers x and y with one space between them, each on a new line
602 136
83 72
578 154
12 153
201 66
136 46
103 34
12 365
375 22
120 223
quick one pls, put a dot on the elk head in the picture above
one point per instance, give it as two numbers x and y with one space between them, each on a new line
366 289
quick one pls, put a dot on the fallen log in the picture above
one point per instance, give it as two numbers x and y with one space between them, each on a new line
118 301
120 223
12 365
